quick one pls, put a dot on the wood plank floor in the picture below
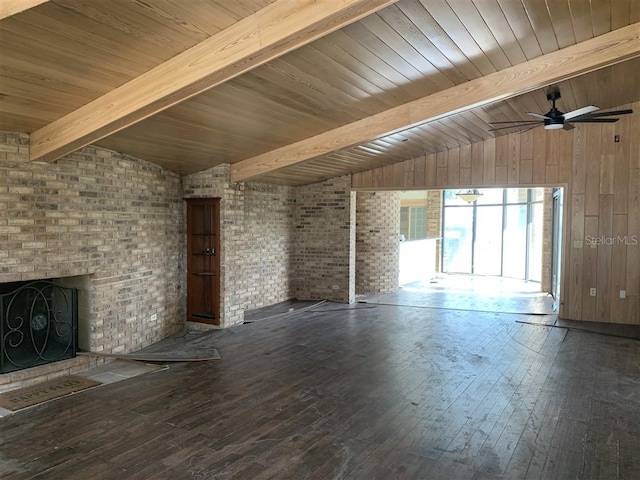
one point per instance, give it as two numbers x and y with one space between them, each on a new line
354 392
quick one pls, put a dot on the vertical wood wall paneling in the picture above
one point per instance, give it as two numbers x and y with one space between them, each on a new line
622 156
539 163
489 162
633 228
526 157
453 167
574 272
419 169
431 170
408 173
618 270
579 163
441 165
552 155
465 165
605 233
607 161
592 157
502 159
590 269
566 160
514 158
477 163
602 199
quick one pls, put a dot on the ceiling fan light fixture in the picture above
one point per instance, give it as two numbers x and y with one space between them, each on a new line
553 126
469 196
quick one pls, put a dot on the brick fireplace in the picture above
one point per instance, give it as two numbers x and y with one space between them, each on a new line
109 225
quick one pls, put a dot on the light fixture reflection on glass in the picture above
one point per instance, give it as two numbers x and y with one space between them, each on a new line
469 196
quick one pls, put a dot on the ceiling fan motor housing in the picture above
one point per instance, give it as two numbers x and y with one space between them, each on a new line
555 119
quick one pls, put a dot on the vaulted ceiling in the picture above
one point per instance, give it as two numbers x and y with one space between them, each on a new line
297 91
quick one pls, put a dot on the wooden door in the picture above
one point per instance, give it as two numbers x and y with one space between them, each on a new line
203 262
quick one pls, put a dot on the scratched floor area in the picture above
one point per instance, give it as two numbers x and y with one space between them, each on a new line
360 391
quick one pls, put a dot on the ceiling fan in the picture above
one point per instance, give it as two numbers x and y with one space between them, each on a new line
555 119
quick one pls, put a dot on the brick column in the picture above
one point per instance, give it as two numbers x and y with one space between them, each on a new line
377 242
324 239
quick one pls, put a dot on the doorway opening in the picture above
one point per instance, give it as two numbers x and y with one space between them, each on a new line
497 251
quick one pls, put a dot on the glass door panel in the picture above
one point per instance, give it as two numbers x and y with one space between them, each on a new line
488 242
458 239
515 241
535 242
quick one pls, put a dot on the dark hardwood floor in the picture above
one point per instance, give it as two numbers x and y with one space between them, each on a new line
354 392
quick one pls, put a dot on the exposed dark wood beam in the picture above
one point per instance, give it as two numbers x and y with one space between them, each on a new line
279 28
599 52
12 7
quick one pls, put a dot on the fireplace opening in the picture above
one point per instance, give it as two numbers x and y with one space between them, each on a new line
38 324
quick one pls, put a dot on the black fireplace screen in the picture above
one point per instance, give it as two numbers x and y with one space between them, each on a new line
38 325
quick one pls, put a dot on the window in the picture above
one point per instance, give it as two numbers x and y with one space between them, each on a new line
499 234
413 223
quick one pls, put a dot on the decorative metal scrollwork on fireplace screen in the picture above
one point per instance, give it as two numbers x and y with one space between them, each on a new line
38 325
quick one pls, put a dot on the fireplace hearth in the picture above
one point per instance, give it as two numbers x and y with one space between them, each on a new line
38 324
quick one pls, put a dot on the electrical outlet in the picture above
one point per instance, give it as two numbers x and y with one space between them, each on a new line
154 317
592 292
623 294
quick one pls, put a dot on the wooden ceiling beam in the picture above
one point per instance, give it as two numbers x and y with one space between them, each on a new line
599 52
13 7
278 28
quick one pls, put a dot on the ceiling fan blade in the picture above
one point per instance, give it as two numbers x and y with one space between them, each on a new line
606 114
567 126
580 111
529 125
594 120
514 121
537 115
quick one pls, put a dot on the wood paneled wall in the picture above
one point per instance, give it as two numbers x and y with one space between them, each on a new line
601 177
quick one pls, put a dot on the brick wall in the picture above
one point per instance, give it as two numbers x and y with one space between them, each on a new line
434 222
111 218
377 242
114 226
324 255
269 243
256 240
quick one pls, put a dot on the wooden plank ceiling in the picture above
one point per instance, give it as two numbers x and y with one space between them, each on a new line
61 55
